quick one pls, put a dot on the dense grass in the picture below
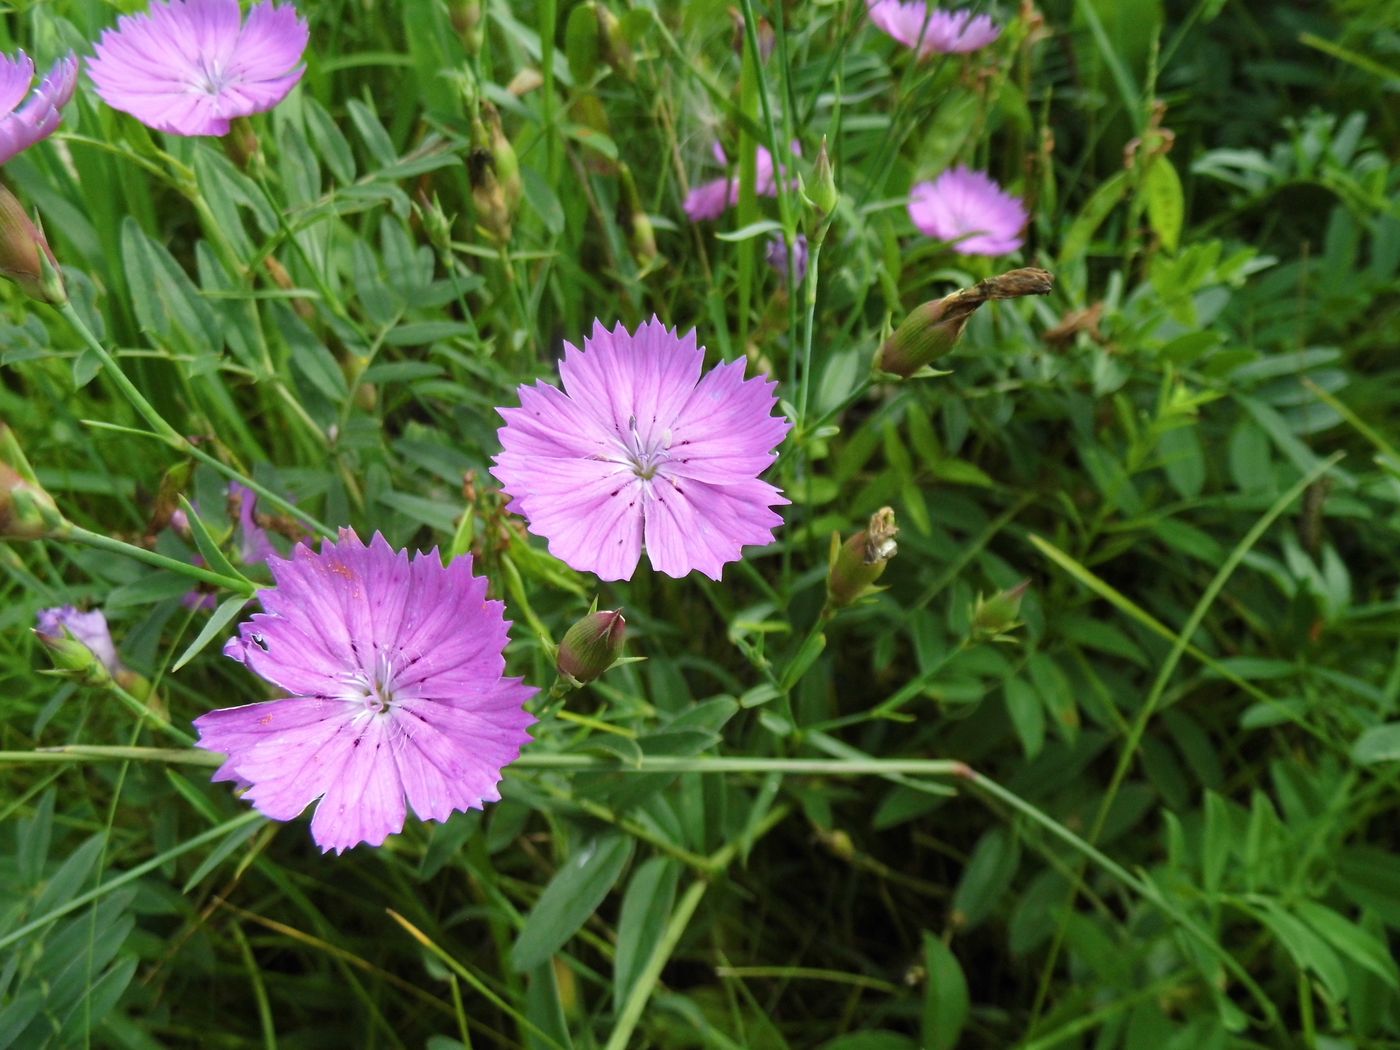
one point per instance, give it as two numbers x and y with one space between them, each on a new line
1181 828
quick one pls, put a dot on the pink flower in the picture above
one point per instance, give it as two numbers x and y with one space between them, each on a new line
970 210
55 626
930 31
190 66
639 451
710 199
776 253
256 547
393 666
34 121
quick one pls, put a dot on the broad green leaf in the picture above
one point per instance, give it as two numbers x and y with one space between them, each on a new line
986 878
570 898
1217 838
1166 204
1350 939
646 906
945 996
1377 744
1027 715
1309 951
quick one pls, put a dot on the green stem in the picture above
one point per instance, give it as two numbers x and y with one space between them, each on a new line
237 584
138 400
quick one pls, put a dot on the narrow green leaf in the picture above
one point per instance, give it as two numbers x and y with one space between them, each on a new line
227 610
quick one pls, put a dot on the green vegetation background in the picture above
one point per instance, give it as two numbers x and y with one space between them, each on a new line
1186 837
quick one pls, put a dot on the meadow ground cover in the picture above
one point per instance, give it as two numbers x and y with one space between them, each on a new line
610 523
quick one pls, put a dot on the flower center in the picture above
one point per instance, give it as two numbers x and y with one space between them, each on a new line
645 455
372 690
210 80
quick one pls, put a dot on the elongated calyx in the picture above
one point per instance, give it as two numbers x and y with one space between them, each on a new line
993 617
24 252
933 329
27 511
592 645
856 564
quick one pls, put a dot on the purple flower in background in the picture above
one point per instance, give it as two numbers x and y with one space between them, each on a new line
930 31
710 199
640 451
256 546
968 208
23 125
189 67
394 670
55 626
777 255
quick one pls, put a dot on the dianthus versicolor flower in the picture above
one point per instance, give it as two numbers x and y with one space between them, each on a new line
23 125
394 670
969 209
189 67
711 199
930 31
776 252
640 451
55 626
256 546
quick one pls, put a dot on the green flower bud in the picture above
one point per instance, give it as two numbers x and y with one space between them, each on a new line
503 153
466 19
823 194
489 200
933 329
24 253
856 564
591 646
993 617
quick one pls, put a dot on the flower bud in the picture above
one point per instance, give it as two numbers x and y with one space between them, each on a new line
933 329
27 512
634 219
466 19
503 153
79 643
24 252
592 645
777 255
993 617
615 49
856 564
492 212
823 194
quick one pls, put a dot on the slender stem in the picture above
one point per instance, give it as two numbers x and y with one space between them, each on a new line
927 767
138 400
237 584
